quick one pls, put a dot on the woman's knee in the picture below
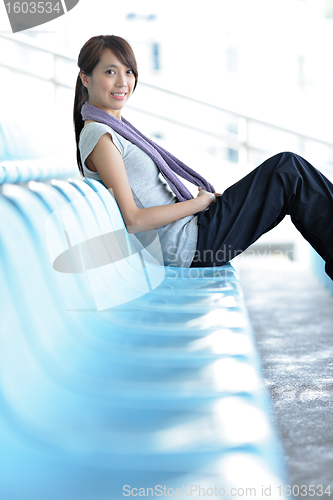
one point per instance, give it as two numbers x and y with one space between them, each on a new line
289 154
283 163
285 160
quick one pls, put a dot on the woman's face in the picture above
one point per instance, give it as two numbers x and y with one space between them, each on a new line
110 85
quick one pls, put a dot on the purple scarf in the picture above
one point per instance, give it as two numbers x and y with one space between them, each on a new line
167 164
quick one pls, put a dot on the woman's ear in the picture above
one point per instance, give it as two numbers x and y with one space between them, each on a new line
84 79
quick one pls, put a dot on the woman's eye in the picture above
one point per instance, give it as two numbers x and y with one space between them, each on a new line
110 70
130 71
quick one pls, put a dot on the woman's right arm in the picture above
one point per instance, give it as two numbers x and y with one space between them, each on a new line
110 166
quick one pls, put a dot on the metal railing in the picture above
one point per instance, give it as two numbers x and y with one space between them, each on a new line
245 138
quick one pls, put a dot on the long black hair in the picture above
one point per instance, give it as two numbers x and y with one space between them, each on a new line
89 57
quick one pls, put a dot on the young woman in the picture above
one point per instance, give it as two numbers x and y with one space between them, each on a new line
204 231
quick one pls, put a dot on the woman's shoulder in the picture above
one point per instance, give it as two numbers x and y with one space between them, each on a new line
91 133
91 127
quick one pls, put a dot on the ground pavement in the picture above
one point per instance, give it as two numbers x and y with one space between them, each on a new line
292 317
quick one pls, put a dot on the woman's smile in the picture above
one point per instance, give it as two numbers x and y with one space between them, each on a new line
119 96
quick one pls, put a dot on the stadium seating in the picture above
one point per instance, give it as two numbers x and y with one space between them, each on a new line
119 373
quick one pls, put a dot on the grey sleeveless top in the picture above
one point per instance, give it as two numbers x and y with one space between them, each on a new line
179 239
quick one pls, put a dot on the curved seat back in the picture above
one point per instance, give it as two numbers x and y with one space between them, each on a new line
23 156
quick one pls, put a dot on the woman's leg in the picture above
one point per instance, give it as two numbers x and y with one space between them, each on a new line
284 184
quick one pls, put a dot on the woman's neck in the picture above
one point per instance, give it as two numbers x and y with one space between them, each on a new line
116 113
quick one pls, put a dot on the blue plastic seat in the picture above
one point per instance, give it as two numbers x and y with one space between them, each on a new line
162 389
48 426
11 172
41 310
29 209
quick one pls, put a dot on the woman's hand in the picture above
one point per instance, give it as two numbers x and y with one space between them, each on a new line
209 197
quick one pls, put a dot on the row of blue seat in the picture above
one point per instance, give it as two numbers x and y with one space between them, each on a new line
22 157
99 391
16 171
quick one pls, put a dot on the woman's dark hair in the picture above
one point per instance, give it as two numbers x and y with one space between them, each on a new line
89 57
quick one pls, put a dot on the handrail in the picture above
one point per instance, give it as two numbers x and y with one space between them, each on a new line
227 136
233 139
27 40
236 115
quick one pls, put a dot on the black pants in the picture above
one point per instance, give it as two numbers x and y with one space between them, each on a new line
284 184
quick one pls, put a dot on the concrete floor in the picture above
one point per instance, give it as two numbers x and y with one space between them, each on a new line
292 317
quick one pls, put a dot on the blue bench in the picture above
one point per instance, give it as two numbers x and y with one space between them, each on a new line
101 394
